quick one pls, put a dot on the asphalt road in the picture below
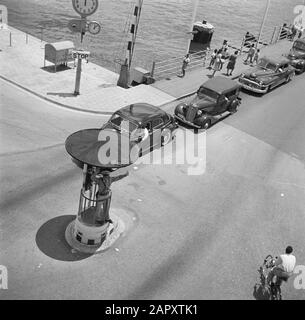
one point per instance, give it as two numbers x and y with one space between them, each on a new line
193 236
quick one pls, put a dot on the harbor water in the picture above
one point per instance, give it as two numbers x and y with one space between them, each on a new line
163 25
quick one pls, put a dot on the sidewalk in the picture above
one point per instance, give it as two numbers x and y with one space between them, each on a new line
180 87
22 64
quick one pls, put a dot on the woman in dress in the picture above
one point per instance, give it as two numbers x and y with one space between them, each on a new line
231 63
217 63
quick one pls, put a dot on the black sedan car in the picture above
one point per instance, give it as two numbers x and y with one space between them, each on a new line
215 98
268 74
296 55
145 125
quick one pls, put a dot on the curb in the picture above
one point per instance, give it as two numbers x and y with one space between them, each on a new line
191 93
106 113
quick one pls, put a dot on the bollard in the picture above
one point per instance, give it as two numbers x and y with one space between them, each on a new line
273 34
153 69
10 39
26 38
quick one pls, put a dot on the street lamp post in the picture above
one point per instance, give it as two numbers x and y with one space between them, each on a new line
263 22
192 23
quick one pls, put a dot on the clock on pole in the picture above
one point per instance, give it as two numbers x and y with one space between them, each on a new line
94 27
85 7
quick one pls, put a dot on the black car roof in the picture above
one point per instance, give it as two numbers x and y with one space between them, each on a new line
140 112
221 84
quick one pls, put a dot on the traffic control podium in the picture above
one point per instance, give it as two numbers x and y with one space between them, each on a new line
94 230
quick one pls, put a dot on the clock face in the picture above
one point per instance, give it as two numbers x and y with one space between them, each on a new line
85 7
94 27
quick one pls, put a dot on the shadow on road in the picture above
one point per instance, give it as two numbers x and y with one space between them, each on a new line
61 94
59 68
50 239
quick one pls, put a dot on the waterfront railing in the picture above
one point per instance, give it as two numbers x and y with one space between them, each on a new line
170 67
167 68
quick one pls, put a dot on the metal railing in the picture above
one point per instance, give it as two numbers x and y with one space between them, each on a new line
167 68
268 37
20 36
170 67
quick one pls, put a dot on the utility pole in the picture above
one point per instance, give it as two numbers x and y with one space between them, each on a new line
192 23
125 67
263 22
79 60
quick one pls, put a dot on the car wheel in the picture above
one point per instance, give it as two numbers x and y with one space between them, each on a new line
291 75
206 125
233 106
166 137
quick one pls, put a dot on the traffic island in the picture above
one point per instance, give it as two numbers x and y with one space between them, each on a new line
78 235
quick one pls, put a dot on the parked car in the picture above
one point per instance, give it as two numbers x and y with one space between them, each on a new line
215 98
297 55
136 119
268 74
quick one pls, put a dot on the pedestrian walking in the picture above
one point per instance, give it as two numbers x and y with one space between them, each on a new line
231 63
294 31
217 63
204 56
185 62
256 57
251 53
213 58
225 45
224 56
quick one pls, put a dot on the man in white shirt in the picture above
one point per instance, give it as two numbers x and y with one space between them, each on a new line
186 61
284 266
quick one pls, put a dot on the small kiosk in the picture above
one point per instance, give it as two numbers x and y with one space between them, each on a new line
58 53
203 33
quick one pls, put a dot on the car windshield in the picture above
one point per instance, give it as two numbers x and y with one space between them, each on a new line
265 64
209 93
299 46
122 124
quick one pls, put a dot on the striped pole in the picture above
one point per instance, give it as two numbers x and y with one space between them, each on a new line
134 29
125 68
